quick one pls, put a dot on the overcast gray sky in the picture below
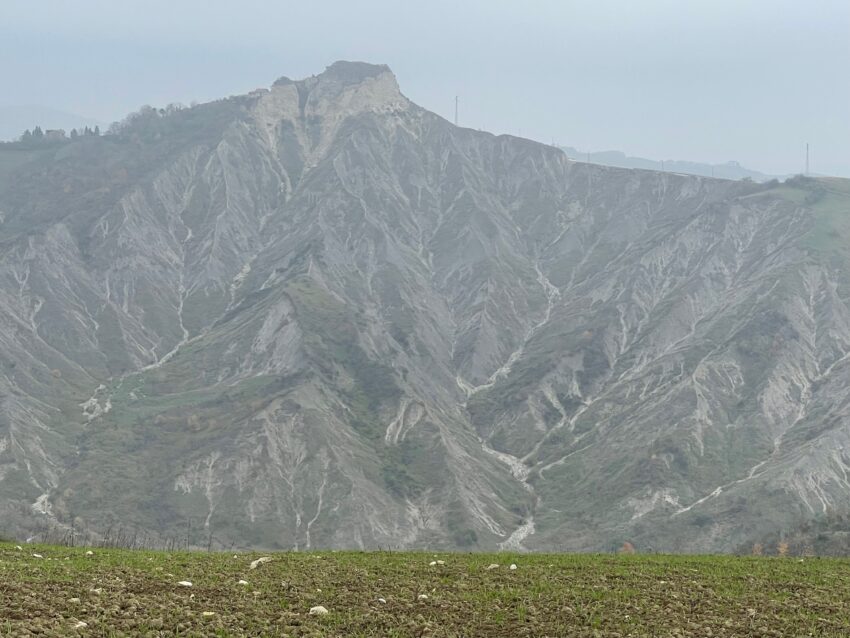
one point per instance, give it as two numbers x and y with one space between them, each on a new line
702 80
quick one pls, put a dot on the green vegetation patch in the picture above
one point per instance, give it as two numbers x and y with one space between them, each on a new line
829 201
331 338
331 332
831 231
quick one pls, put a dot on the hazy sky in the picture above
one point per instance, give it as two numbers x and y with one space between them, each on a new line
703 80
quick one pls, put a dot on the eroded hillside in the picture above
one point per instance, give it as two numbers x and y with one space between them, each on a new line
321 316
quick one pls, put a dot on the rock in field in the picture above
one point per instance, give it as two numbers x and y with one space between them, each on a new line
260 561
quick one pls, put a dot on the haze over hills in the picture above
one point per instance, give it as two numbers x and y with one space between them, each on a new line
321 316
15 119
726 170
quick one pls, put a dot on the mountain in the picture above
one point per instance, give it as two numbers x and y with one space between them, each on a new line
15 119
727 170
320 316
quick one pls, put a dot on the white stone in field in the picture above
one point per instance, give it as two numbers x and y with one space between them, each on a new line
493 566
318 610
207 614
19 548
243 582
432 563
512 567
260 561
89 553
422 596
382 600
185 583
441 562
80 625
37 556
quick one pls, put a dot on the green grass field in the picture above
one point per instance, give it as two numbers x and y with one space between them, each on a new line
136 593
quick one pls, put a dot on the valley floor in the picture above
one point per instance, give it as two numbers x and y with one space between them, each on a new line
48 590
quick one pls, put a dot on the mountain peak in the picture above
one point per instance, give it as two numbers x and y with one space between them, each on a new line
344 72
354 72
341 90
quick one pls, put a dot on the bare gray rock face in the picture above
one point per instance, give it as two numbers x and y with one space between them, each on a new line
321 316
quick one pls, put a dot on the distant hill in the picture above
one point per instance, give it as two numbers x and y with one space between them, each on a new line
320 316
16 118
727 170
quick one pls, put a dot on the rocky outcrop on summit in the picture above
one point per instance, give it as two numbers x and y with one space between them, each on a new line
320 316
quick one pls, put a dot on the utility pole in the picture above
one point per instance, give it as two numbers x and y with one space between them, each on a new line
456 101
807 158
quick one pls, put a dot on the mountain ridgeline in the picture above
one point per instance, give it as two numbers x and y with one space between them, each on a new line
319 316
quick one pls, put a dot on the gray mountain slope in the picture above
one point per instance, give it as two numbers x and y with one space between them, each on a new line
321 316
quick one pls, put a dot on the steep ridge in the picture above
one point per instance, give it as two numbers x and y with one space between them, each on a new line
320 316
